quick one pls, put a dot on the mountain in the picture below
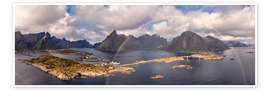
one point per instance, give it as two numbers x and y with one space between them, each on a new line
235 44
112 42
41 41
96 44
81 44
126 43
190 41
214 44
152 41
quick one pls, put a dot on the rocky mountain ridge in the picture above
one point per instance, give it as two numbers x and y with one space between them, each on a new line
114 42
44 40
187 41
191 42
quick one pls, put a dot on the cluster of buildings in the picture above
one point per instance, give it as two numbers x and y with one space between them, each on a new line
102 62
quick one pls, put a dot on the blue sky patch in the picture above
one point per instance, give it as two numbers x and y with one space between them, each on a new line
69 9
150 25
187 8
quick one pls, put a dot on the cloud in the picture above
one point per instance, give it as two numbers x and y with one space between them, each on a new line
93 23
234 22
37 17
115 17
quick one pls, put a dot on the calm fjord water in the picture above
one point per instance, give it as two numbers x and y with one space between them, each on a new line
237 71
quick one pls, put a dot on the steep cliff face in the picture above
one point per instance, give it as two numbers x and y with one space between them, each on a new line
127 43
27 41
190 41
214 44
152 41
131 43
40 41
112 42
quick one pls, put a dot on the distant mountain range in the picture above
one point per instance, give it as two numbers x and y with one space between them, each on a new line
187 41
236 44
114 41
41 41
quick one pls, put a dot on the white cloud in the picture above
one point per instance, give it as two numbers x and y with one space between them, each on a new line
115 17
232 22
33 18
93 23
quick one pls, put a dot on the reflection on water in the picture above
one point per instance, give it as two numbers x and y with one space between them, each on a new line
239 71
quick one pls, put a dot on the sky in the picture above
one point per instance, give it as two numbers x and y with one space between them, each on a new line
94 23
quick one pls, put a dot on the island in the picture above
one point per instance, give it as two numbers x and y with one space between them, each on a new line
157 77
67 69
159 60
207 56
182 66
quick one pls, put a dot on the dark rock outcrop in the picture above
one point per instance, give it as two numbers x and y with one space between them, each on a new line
113 42
41 41
191 42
